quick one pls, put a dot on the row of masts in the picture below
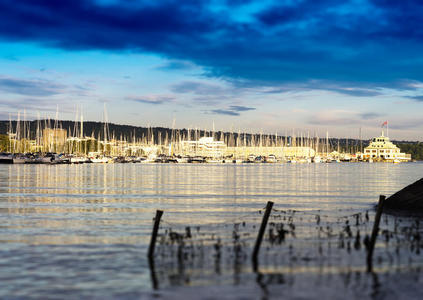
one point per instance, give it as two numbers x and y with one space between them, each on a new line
77 142
21 139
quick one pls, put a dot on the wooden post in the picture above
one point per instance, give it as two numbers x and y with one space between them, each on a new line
159 214
154 282
374 233
261 233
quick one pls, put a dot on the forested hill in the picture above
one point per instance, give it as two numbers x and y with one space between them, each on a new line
95 129
413 148
118 131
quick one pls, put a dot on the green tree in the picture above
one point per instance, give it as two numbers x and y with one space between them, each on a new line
415 149
4 142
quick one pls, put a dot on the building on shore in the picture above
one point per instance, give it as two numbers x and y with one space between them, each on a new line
205 146
208 147
280 152
382 149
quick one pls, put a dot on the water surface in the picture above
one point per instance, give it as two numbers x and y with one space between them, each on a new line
72 231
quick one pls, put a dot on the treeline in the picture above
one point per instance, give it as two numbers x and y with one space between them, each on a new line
116 131
415 149
4 141
90 128
161 134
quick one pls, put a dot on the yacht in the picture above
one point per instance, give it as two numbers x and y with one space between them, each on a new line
78 159
20 159
100 159
271 159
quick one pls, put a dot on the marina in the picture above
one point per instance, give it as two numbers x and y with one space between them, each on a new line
60 146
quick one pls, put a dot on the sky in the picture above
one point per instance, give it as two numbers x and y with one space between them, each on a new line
236 65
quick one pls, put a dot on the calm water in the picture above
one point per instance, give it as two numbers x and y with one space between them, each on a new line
72 231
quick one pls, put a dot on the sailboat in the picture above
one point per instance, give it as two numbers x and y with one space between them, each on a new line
317 159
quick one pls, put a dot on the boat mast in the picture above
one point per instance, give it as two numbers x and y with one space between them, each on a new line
10 133
327 144
24 132
17 147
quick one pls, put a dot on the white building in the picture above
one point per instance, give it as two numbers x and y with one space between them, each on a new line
205 146
381 148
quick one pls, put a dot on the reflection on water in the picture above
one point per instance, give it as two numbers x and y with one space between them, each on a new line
84 229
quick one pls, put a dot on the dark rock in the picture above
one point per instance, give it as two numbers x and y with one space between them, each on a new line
409 198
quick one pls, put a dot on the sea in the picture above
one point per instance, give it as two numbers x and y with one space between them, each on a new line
83 231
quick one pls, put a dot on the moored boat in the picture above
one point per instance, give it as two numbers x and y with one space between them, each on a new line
78 160
19 159
100 159
6 158
271 159
196 159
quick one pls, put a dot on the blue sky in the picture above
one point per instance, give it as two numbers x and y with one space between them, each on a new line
257 66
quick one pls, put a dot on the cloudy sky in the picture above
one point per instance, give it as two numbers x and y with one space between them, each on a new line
270 66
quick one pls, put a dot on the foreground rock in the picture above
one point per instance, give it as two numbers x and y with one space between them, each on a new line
409 198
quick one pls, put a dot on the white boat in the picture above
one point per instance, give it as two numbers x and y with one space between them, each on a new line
20 159
317 159
100 159
182 160
78 160
271 159
149 159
